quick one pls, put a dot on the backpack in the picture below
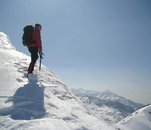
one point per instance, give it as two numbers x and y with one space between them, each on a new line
27 35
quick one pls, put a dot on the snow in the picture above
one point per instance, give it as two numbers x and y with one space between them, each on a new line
5 41
43 101
139 120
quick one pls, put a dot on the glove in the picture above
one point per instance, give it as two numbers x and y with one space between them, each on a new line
40 53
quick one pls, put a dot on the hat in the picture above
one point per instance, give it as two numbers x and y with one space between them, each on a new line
38 25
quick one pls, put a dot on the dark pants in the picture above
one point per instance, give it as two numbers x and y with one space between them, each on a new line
34 57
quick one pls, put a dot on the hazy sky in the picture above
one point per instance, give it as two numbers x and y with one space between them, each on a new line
90 44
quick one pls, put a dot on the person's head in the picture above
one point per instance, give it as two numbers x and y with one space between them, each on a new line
38 26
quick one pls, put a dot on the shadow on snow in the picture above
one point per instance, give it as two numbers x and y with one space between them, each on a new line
28 103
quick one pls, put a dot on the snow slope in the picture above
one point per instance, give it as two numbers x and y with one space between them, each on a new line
139 120
107 105
41 102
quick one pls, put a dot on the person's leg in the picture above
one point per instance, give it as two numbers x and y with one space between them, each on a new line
34 57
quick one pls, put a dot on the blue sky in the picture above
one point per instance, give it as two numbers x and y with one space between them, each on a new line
90 44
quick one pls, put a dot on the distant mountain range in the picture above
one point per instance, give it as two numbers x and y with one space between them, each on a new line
106 104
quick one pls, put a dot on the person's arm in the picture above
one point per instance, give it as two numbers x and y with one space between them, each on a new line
39 43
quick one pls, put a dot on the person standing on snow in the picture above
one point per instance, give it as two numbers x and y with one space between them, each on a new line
35 47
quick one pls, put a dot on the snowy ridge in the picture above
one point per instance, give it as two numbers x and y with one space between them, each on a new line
139 120
41 102
5 41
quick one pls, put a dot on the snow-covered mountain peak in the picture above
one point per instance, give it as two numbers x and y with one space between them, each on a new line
5 42
139 120
44 102
41 102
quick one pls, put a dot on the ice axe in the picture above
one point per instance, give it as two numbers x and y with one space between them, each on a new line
41 57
